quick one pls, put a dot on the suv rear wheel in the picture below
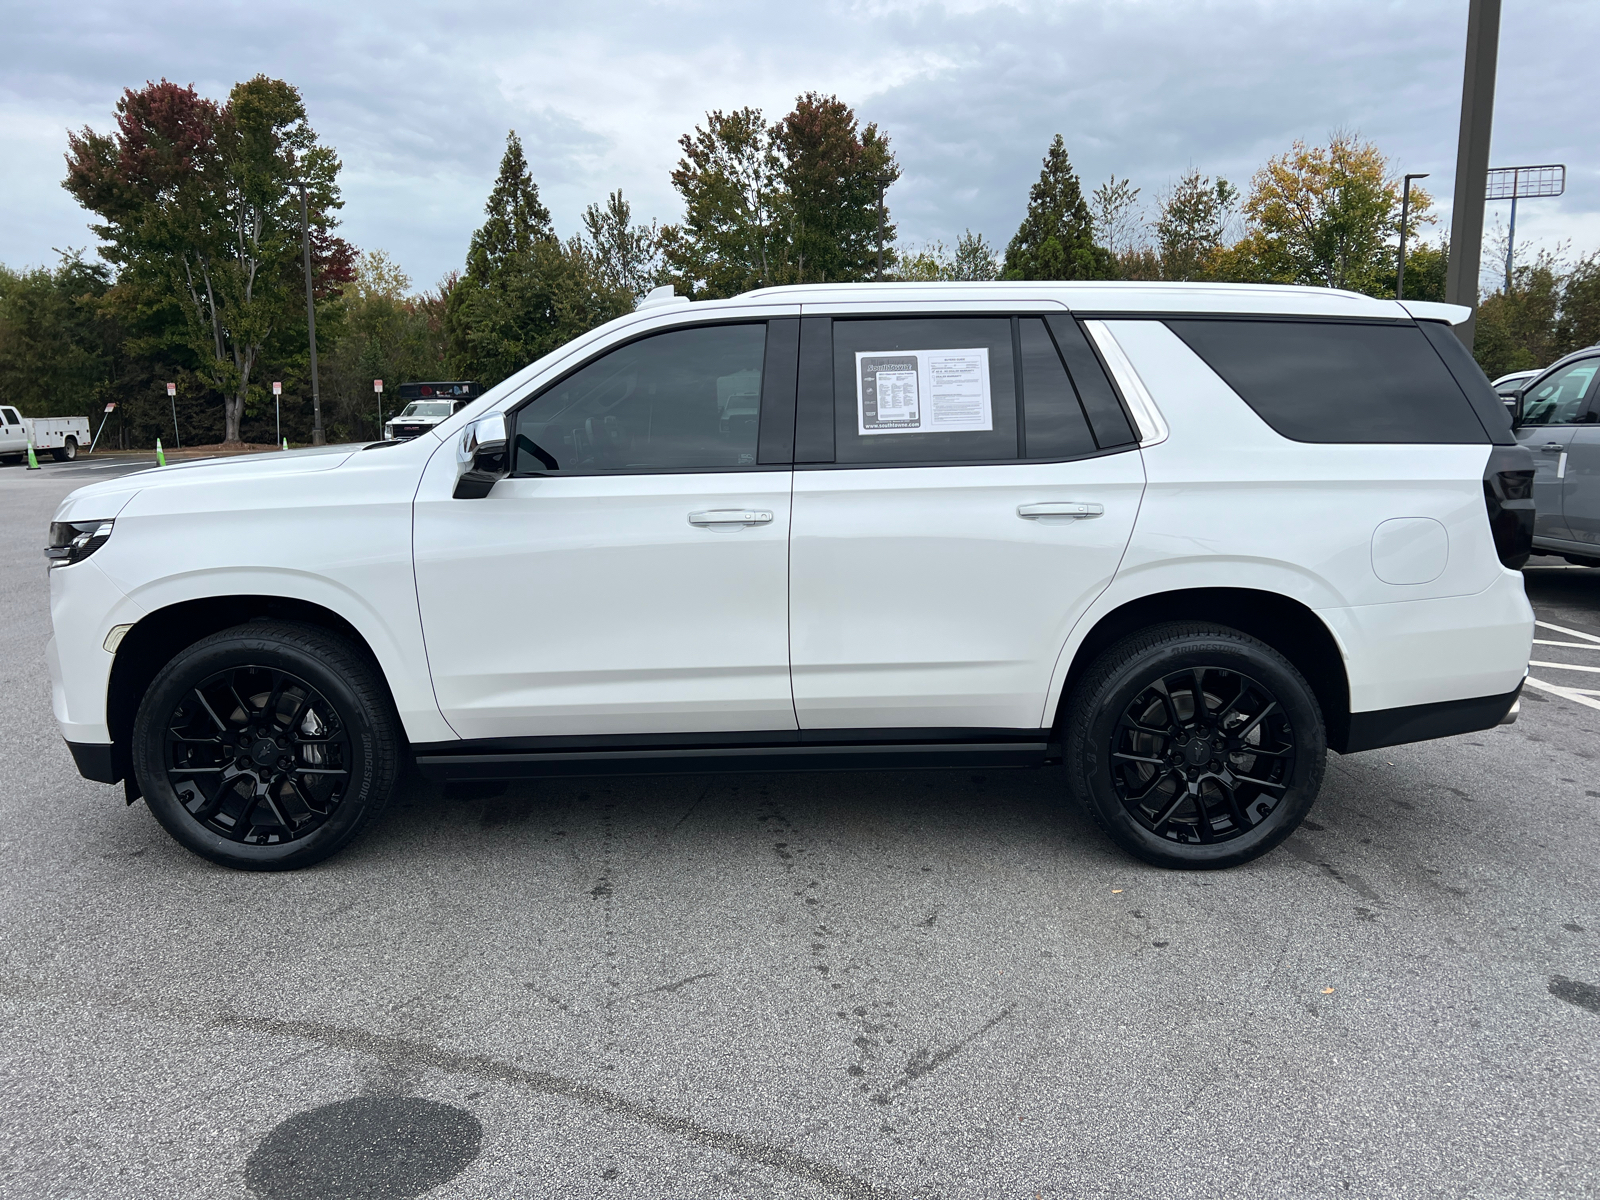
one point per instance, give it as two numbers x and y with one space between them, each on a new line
267 746
1195 746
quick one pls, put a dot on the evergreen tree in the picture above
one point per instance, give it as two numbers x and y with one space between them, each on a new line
1056 238
1189 230
524 292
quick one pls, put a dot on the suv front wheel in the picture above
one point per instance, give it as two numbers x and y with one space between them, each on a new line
1195 746
267 746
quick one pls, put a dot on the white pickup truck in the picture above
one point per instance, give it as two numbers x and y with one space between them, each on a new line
62 436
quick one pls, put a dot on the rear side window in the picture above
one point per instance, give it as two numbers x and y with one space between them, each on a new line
1324 381
929 389
1054 422
688 400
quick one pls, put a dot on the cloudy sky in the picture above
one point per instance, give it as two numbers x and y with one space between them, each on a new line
418 98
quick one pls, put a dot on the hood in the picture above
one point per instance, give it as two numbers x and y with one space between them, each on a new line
98 501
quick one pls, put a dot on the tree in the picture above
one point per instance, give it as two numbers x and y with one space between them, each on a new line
385 332
1190 227
1056 238
1579 324
197 198
1519 328
792 202
974 259
1323 216
628 256
831 174
58 344
733 236
1114 206
524 292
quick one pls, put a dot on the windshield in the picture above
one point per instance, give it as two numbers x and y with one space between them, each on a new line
426 408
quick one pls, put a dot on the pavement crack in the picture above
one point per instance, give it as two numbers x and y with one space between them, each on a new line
925 1062
672 987
407 1053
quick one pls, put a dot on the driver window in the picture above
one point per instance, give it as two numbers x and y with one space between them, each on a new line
685 400
1559 400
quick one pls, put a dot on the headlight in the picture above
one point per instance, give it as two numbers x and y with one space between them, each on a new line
74 541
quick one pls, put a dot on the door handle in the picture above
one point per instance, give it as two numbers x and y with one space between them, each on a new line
1072 508
731 516
1552 447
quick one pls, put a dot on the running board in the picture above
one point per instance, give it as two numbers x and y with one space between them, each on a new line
477 767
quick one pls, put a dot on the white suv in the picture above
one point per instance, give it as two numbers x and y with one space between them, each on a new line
1185 538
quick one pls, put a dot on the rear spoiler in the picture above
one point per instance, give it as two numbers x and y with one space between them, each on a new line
1429 310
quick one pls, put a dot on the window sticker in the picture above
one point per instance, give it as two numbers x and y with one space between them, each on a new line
923 391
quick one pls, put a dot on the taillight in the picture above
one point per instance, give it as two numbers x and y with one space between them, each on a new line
1508 495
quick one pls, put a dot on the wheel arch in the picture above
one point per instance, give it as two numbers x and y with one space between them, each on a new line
158 636
1285 624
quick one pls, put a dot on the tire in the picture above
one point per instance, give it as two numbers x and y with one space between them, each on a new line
1136 754
295 717
68 452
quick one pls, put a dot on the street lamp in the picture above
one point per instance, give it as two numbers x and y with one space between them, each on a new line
1405 211
317 438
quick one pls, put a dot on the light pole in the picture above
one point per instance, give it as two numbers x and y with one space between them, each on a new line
1472 161
1405 211
317 438
882 181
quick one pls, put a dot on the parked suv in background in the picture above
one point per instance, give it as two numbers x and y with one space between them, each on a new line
1184 538
1557 415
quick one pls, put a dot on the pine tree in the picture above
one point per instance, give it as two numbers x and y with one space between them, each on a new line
517 218
1056 238
524 292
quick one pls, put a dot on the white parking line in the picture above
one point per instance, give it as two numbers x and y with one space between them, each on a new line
1577 695
1564 666
1573 645
1577 633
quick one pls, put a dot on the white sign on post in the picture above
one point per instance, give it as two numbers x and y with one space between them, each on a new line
111 407
277 389
172 389
377 385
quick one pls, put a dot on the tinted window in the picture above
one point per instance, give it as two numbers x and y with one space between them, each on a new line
1337 382
686 400
1093 385
1561 398
931 389
1054 425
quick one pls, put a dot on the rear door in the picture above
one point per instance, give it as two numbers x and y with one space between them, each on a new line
1551 411
958 504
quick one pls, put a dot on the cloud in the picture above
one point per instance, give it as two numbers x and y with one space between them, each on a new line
417 98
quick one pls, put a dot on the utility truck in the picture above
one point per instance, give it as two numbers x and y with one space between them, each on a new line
62 436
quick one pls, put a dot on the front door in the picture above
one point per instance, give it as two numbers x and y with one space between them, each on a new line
1551 410
958 525
630 578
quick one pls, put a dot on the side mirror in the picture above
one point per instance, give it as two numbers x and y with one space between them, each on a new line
1514 403
482 457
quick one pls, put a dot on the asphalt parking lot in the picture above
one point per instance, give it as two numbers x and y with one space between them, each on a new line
826 985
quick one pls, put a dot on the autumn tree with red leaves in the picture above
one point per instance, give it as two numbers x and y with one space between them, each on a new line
199 199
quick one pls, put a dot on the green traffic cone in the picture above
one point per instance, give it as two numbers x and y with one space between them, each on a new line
285 443
161 458
33 462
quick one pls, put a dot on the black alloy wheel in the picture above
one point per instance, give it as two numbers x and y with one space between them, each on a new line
1195 745
267 746
257 755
